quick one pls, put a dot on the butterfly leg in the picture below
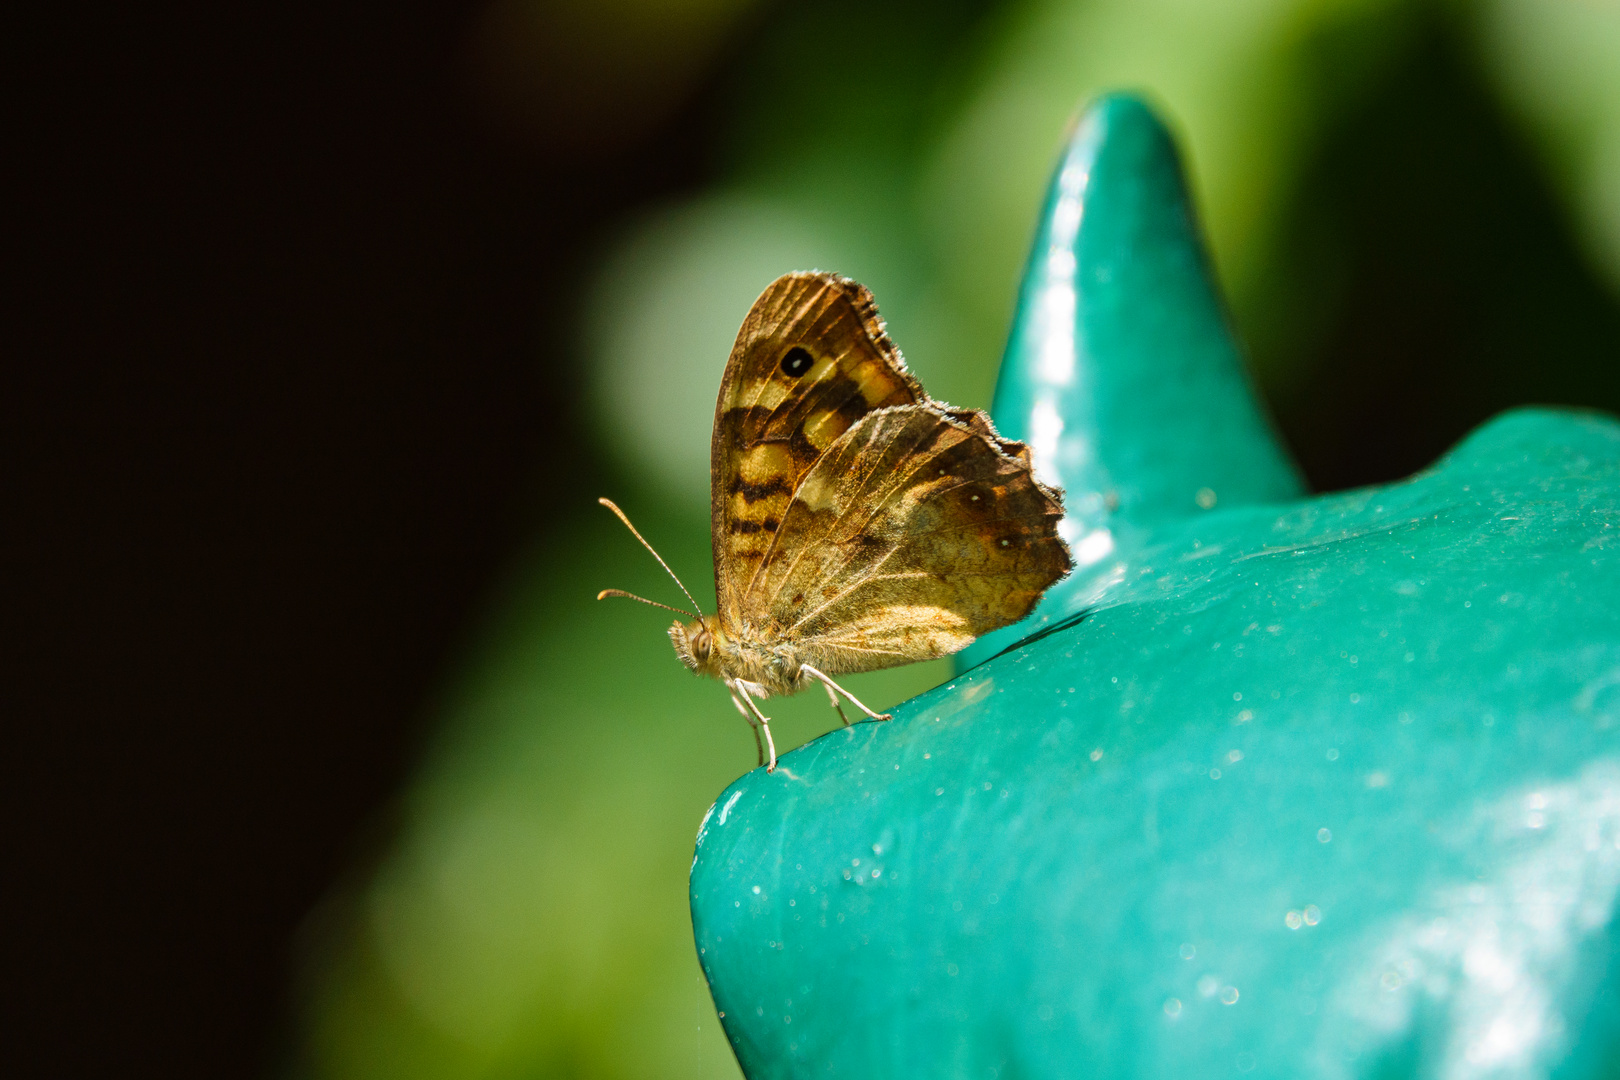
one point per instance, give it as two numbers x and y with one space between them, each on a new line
832 686
833 697
741 691
753 726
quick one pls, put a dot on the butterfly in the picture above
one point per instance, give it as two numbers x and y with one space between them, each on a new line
857 523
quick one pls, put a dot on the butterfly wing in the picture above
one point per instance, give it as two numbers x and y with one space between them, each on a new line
811 359
917 531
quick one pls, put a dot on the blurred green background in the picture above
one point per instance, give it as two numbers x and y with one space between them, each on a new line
1414 208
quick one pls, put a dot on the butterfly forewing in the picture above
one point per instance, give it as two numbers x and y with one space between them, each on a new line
856 521
915 533
810 360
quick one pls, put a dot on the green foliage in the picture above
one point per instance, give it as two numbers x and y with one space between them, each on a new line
531 920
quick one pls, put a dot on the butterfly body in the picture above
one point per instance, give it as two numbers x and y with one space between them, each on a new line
857 523
772 669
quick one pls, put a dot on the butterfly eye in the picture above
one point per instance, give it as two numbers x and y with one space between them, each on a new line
797 361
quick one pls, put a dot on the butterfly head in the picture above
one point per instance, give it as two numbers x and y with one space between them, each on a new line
699 644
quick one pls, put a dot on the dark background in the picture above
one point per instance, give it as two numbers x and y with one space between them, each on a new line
286 323
289 350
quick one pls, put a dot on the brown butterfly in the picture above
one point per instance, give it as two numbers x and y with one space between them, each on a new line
857 523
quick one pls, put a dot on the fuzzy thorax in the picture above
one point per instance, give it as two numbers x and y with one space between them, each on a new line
708 650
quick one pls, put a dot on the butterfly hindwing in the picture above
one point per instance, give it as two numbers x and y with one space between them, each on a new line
811 359
917 531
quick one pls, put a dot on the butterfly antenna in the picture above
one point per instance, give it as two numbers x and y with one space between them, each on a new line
605 593
614 592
